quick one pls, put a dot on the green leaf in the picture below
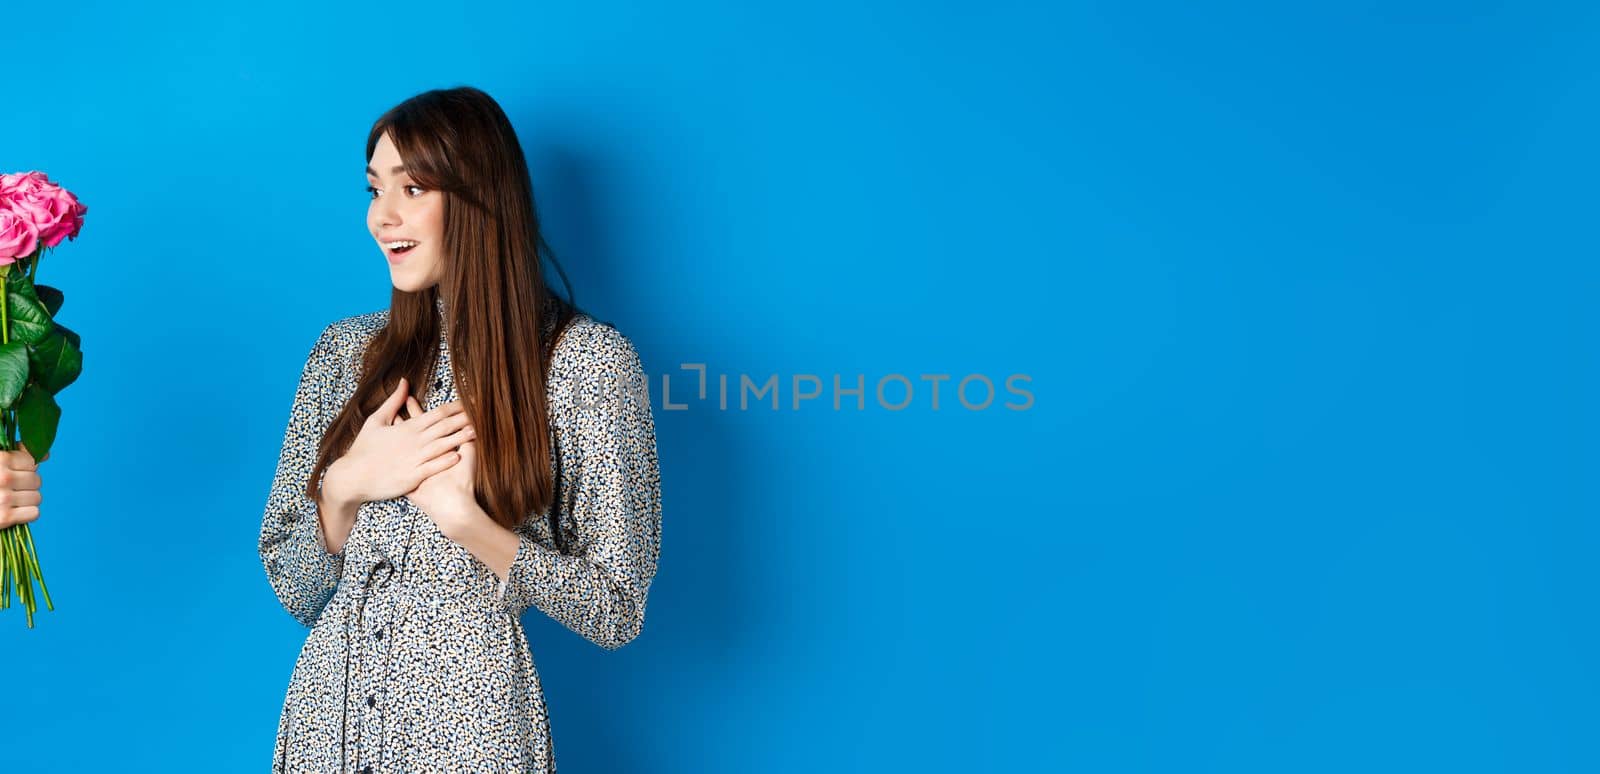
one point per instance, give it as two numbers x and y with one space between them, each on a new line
38 415
13 372
30 320
55 361
51 298
77 343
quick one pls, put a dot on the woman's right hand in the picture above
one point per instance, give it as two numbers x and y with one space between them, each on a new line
392 455
19 486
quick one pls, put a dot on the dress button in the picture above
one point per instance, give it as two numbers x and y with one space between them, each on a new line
366 770
378 635
371 702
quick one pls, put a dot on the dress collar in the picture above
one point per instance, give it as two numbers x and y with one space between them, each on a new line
439 309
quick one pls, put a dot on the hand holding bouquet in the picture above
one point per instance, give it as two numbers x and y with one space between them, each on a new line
38 357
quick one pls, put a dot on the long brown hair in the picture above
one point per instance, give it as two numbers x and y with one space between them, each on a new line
459 142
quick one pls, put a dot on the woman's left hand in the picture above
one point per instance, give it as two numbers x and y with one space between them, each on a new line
448 497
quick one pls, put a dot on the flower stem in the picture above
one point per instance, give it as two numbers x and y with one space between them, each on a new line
18 572
5 570
33 553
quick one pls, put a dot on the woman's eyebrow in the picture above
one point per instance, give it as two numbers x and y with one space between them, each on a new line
397 170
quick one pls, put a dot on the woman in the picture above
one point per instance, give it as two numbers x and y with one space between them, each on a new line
411 532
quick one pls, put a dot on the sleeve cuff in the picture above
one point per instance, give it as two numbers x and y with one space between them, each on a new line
314 560
512 592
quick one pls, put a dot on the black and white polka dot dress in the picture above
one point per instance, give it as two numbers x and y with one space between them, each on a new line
416 659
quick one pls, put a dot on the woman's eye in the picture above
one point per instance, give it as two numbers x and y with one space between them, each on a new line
372 192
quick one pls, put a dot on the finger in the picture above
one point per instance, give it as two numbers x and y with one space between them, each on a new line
444 411
413 408
13 478
21 515
20 458
447 425
391 405
25 497
439 463
19 480
449 442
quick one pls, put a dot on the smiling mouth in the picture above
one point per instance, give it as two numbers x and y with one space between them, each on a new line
397 249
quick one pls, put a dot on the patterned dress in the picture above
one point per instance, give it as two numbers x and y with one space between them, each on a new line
416 659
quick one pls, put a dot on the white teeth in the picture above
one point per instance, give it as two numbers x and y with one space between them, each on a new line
402 243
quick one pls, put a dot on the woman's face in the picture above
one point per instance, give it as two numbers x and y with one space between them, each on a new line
401 211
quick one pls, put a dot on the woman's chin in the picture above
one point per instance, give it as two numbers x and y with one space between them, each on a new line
402 281
407 282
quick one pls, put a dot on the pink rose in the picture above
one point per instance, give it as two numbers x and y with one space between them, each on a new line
18 237
71 221
54 212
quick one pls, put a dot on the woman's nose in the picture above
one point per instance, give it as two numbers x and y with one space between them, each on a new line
384 215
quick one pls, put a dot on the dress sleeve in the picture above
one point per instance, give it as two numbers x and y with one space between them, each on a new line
606 441
302 572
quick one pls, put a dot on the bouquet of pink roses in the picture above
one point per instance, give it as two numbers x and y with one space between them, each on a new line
38 356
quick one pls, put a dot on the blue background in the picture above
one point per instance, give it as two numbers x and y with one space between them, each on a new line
1306 297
